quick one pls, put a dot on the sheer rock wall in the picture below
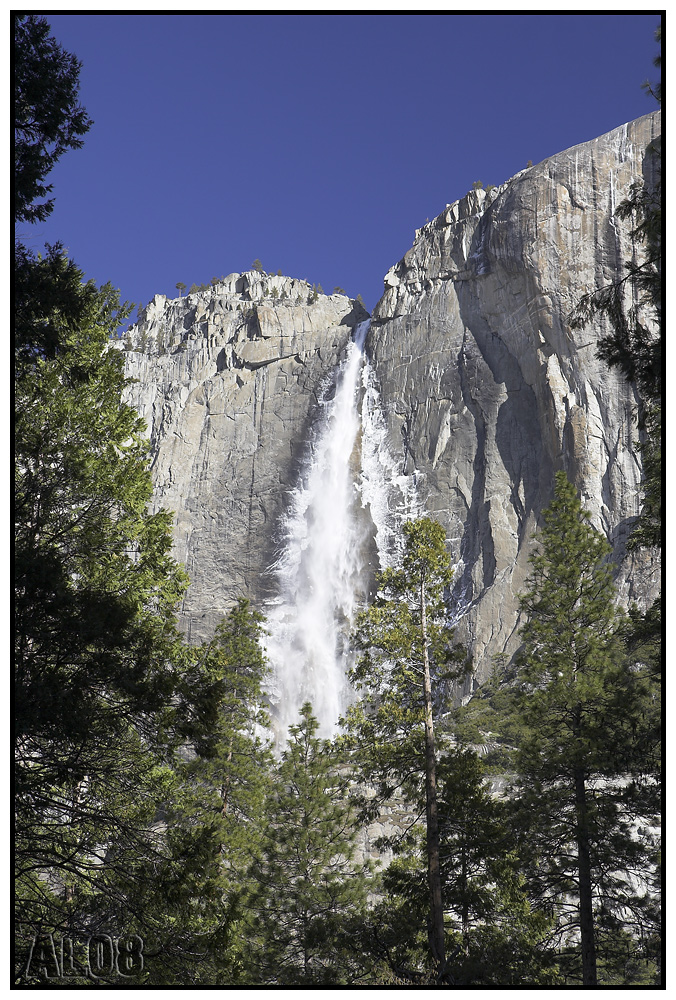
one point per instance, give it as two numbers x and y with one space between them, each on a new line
226 380
486 389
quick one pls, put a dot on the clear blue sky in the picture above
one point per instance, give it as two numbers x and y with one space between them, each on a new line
316 142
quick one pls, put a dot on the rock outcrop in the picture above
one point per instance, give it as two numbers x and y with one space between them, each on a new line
485 390
488 391
226 379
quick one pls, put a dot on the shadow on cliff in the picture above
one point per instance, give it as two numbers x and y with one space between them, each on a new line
511 425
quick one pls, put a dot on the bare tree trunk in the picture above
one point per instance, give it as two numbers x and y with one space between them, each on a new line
465 904
225 790
436 935
587 944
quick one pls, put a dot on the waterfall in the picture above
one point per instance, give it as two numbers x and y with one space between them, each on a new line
342 525
320 573
390 495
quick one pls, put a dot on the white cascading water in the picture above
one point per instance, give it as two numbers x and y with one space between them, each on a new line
320 574
390 495
345 514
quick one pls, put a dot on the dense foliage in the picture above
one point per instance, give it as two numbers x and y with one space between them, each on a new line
106 692
309 889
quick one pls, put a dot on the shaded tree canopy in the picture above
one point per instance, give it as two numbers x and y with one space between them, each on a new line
48 118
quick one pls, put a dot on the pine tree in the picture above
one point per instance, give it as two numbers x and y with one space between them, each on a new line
214 812
473 840
233 752
493 935
100 668
405 643
310 889
48 120
101 671
583 766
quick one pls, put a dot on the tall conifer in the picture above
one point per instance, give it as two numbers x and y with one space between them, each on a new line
582 761
407 652
310 888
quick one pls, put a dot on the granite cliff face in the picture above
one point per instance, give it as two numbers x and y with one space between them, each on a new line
227 381
483 391
487 391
